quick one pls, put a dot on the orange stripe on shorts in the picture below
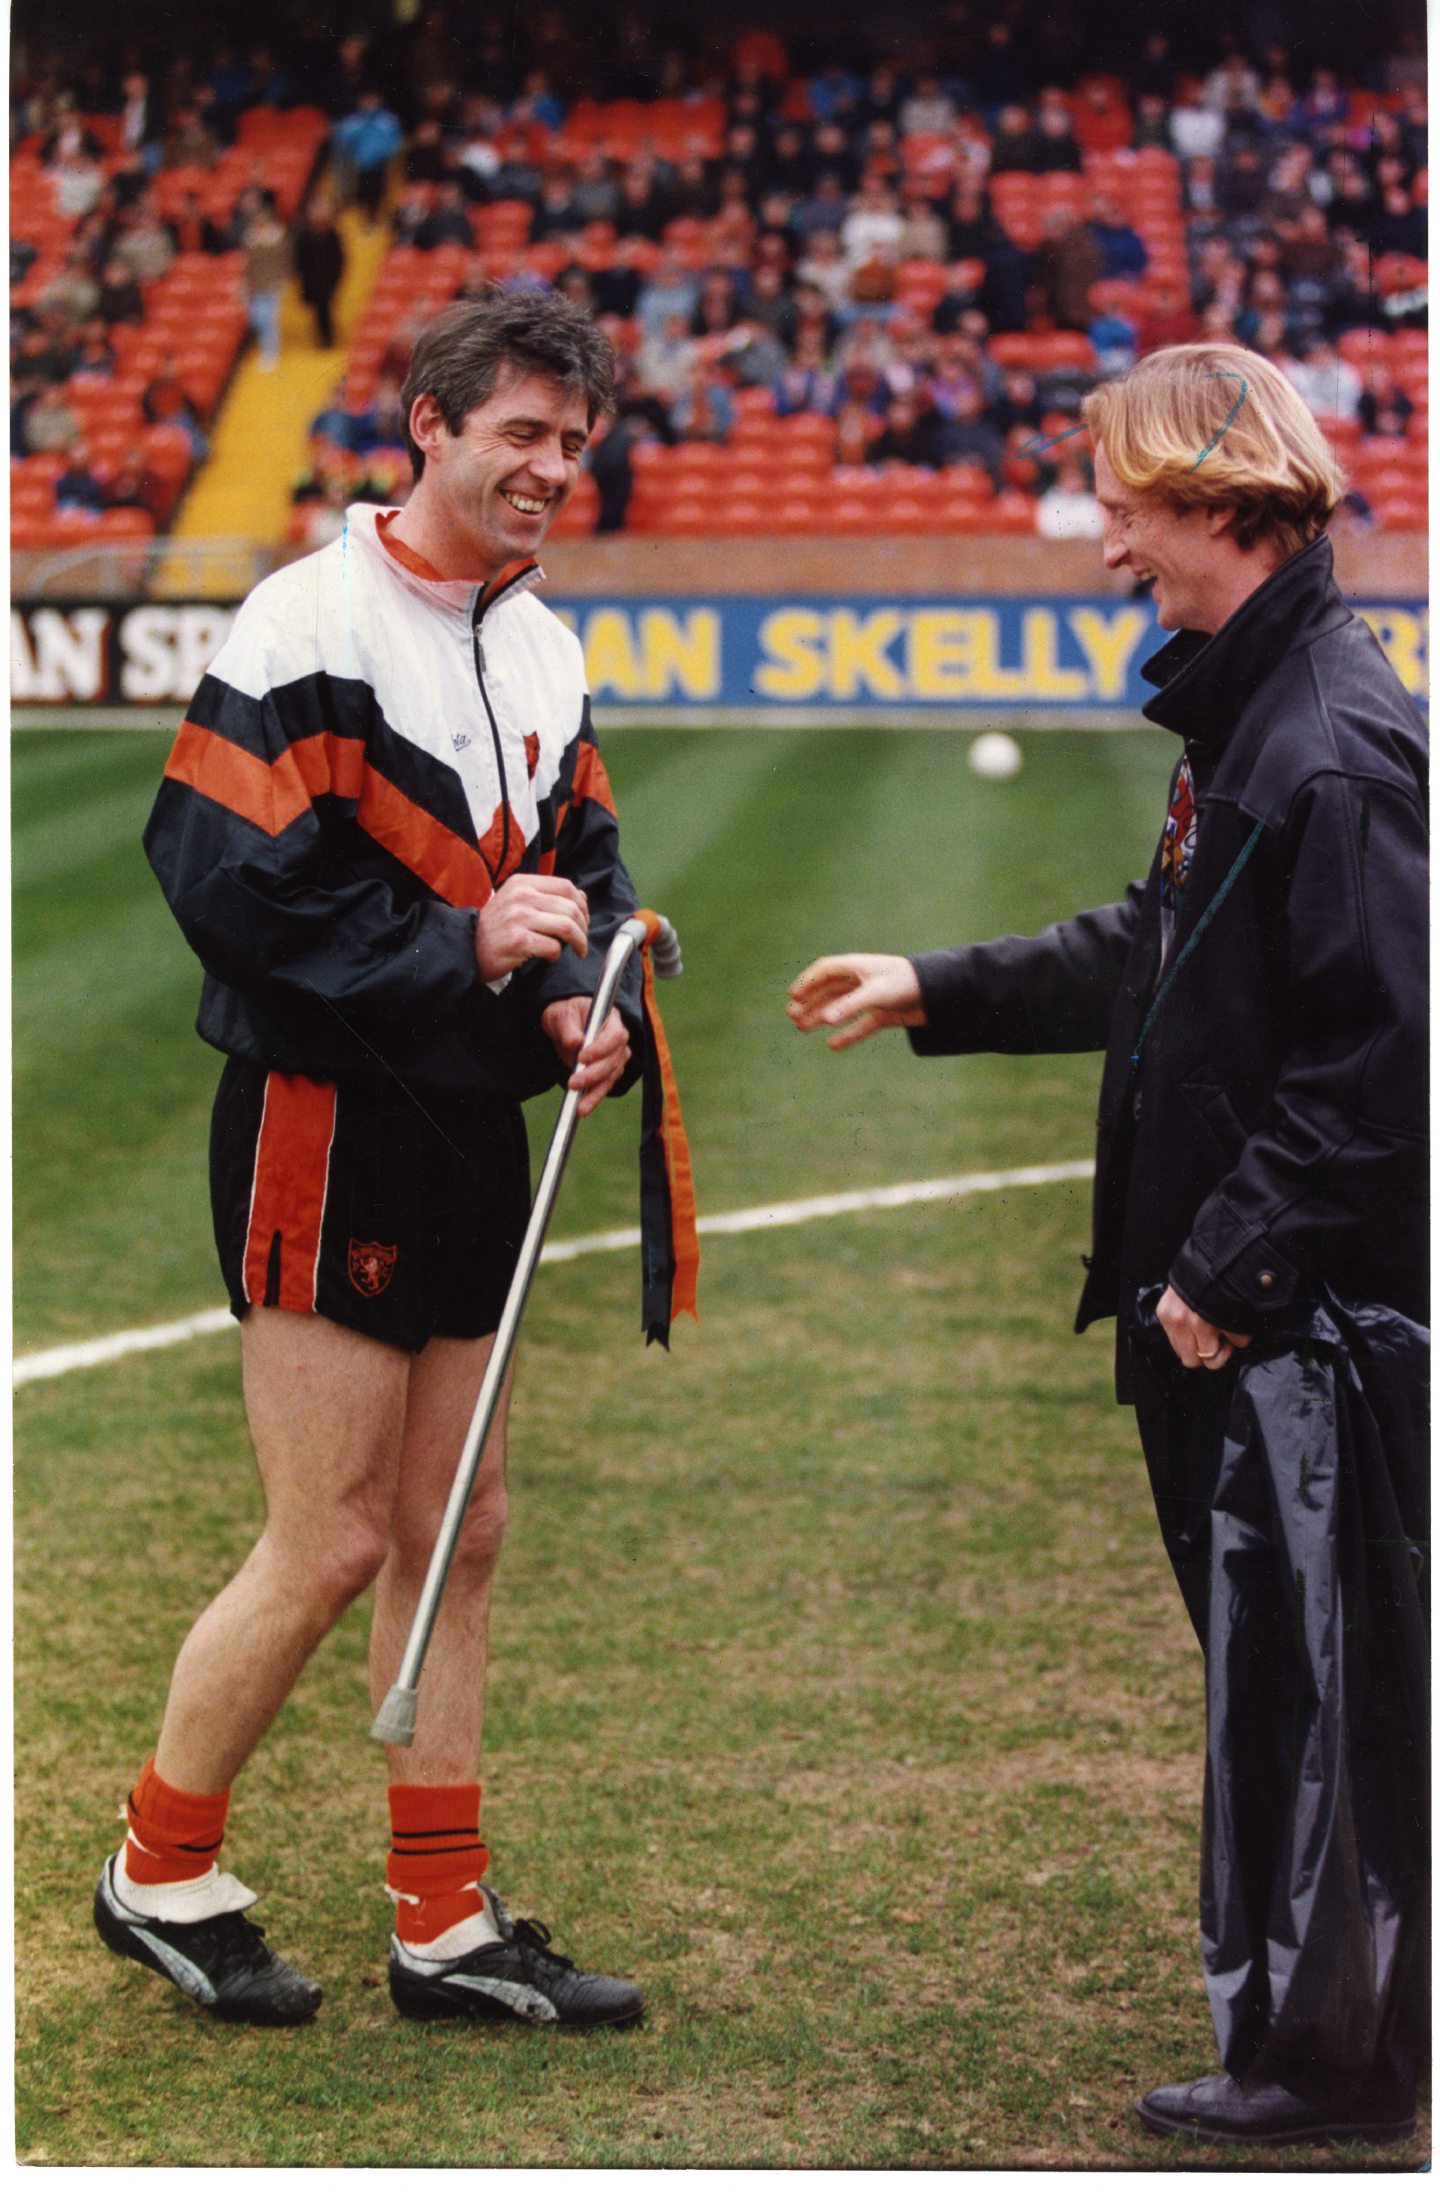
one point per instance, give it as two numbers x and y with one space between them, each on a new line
287 1197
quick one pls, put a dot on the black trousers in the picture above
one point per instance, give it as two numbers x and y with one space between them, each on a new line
1182 1419
1292 1499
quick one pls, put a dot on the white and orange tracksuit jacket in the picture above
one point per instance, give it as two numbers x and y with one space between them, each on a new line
372 752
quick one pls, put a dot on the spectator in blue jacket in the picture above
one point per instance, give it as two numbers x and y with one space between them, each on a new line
1122 248
78 488
364 144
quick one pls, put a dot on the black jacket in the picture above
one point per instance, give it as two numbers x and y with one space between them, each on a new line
1262 1112
319 263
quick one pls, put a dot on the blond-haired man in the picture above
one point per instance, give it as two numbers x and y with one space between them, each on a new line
1260 999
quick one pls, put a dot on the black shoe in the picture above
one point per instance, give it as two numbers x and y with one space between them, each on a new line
519 1979
222 1963
1219 2110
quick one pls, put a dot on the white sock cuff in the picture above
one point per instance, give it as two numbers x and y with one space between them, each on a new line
462 1937
194 1900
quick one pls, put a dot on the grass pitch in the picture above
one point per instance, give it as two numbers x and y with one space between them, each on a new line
839 1689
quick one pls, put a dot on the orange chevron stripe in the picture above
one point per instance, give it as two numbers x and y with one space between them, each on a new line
272 795
592 781
242 783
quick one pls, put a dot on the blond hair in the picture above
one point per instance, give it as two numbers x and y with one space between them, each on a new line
1208 424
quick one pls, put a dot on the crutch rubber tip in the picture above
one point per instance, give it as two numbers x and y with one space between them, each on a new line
395 1725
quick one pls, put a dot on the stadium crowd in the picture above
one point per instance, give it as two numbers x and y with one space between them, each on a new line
933 245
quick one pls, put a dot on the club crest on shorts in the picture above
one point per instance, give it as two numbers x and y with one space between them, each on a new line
371 1266
532 751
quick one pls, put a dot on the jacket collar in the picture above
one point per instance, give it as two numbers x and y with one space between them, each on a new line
1206 679
466 598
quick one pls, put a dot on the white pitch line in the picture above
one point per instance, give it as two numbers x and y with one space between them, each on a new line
44 1365
47 1365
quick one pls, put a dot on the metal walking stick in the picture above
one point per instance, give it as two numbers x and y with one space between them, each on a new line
395 1724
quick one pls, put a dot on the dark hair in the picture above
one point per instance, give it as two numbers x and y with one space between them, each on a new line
461 355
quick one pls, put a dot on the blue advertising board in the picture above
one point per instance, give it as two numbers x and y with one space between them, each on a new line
1051 656
1043 658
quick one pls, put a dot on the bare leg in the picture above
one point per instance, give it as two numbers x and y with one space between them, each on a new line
327 1414
444 1383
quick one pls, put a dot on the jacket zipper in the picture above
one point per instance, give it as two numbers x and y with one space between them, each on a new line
499 870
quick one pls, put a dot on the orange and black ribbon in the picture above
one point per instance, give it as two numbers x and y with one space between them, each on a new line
669 1244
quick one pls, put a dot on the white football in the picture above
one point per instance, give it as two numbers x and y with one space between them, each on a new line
995 755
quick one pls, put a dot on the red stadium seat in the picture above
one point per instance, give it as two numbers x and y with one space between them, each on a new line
1396 271
852 515
31 499
1044 348
1359 344
912 515
966 518
125 524
808 427
507 218
1012 513
1403 514
701 457
798 515
920 284
969 482
1381 451
684 517
801 479
742 515
575 521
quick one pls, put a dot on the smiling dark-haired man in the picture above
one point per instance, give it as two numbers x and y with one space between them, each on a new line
387 833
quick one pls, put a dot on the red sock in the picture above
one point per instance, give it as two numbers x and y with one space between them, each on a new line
436 1858
174 1836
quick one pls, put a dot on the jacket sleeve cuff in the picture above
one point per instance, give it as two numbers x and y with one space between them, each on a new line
946 1028
1253 1285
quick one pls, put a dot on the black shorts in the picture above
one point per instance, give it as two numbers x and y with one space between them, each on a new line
401 1216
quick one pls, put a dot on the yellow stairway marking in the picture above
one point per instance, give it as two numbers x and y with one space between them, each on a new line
257 444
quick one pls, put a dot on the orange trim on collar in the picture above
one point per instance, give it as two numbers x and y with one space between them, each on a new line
424 570
403 553
503 579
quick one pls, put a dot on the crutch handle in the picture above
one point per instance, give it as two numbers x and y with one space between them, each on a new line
665 951
664 946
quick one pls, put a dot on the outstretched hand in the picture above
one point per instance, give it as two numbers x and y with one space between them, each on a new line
855 995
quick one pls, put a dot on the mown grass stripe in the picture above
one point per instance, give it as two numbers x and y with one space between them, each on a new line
70 841
43 1365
